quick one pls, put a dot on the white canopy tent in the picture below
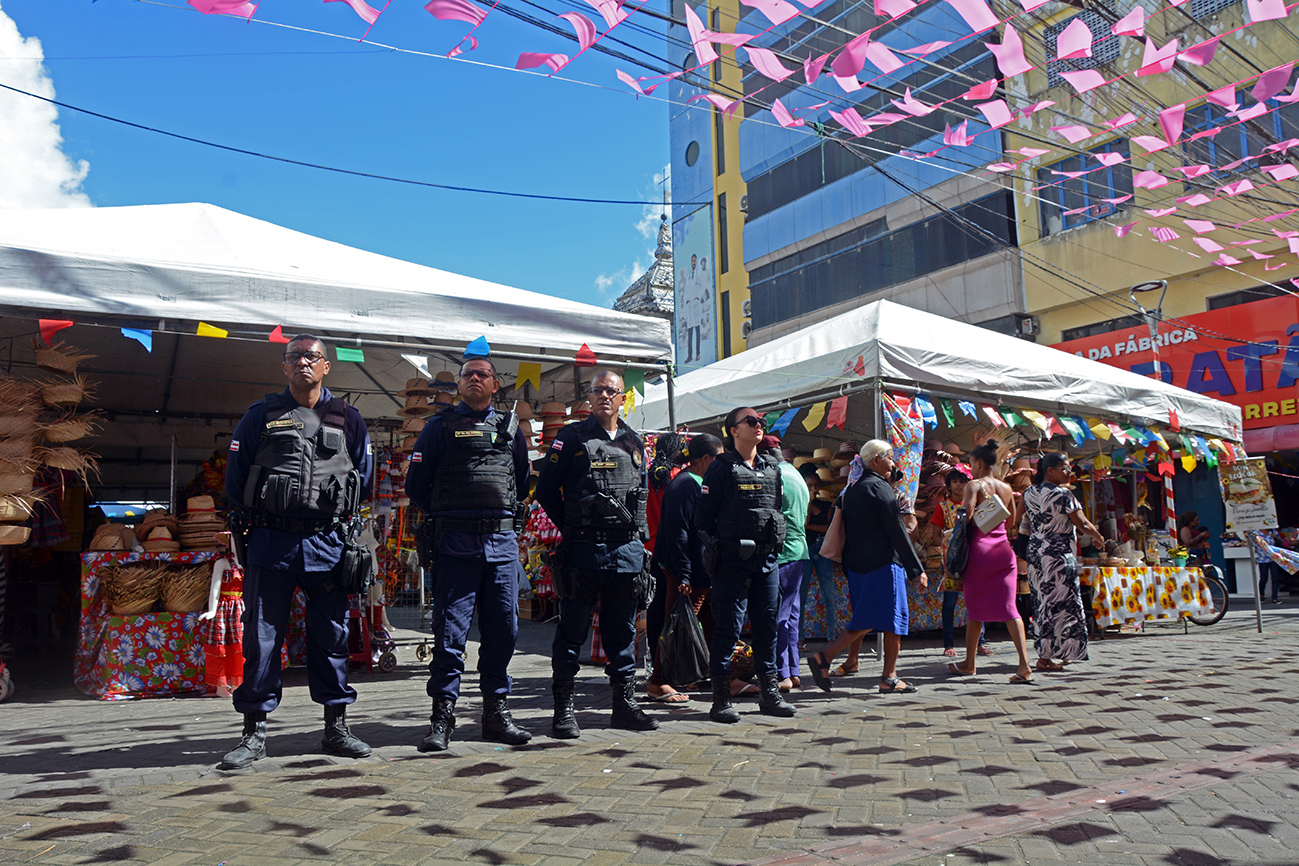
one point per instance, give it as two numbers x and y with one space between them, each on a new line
165 268
899 347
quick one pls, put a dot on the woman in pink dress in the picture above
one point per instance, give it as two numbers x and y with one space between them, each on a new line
990 575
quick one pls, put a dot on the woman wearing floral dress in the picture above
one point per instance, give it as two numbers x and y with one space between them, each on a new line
1051 514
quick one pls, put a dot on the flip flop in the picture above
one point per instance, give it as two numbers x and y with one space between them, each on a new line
820 668
669 697
745 689
950 651
1022 681
957 672
842 671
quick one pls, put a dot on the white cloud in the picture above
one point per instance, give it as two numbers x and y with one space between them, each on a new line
34 170
611 285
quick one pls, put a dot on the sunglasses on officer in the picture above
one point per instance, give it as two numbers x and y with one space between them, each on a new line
752 420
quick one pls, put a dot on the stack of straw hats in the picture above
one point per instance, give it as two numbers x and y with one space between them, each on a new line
158 531
201 523
61 398
114 536
553 418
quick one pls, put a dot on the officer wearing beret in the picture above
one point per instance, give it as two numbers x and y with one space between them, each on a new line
593 487
466 471
298 470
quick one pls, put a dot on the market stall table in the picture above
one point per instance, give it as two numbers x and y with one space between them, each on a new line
1125 595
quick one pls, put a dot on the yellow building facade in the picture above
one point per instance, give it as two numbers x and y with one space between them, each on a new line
729 193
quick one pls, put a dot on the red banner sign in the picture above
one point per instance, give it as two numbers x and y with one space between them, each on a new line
1247 355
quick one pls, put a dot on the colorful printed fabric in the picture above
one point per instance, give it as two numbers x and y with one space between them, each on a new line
1266 550
907 436
925 608
1127 595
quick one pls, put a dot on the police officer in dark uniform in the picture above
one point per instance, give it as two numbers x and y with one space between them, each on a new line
593 487
739 518
467 468
298 470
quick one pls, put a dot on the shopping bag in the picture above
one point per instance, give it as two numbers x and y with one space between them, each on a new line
958 548
683 652
832 544
991 512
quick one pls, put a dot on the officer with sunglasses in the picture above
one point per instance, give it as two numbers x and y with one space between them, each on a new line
593 487
466 471
299 468
740 519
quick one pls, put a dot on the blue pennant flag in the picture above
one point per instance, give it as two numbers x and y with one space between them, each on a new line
478 349
782 423
145 338
926 409
968 408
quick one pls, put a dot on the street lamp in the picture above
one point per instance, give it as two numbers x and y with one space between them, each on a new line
1152 317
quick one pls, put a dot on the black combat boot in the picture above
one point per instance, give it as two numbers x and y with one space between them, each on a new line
338 739
770 702
627 714
252 746
498 724
564 725
441 724
722 710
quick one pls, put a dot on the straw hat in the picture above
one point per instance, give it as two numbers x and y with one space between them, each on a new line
954 448
847 451
199 505
826 474
412 425
160 545
444 398
11 534
800 461
67 394
416 407
16 509
113 536
201 523
407 445
153 520
58 356
523 409
445 380
553 409
581 409
822 455
417 388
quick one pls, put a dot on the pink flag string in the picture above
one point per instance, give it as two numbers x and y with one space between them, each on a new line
367 12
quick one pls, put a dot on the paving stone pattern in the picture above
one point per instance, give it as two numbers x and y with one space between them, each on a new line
1165 748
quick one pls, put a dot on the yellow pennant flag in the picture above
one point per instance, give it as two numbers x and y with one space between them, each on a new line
1035 417
1103 461
814 416
529 371
1188 462
629 405
206 330
1163 445
1099 427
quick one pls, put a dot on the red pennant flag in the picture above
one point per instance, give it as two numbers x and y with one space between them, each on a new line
585 357
838 413
277 336
1166 468
1174 423
50 327
1053 427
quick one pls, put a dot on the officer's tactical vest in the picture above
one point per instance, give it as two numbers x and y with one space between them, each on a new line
476 467
600 475
303 461
751 509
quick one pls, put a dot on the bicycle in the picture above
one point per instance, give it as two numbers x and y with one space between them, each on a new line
1217 596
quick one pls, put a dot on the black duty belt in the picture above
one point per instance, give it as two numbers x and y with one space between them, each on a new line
600 536
296 525
481 526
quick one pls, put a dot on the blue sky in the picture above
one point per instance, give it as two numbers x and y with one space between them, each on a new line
336 102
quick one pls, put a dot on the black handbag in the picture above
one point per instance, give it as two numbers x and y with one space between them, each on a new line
958 546
683 651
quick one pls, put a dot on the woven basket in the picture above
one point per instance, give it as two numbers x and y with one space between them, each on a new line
185 588
11 534
16 509
14 481
20 422
132 589
58 356
16 448
70 429
63 394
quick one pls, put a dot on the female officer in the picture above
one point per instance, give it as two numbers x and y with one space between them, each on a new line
740 519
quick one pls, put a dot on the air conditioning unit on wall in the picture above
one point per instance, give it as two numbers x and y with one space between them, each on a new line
746 329
746 308
744 204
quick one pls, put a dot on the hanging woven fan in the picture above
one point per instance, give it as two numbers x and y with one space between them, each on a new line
71 428
58 356
16 394
62 394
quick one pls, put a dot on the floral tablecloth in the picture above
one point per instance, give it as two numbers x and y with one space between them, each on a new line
925 608
1127 595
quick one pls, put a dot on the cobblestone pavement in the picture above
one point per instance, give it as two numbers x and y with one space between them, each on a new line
1165 748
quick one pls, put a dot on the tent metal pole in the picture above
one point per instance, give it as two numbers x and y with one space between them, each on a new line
171 487
875 432
672 397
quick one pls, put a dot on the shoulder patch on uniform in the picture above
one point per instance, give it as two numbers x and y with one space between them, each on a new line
417 457
635 457
234 444
703 489
557 445
554 458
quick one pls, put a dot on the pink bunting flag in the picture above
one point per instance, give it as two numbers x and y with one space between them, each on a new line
958 137
1123 119
1191 171
1132 24
240 8
1074 41
976 14
1294 244
1258 257
1265 10
997 113
1196 200
776 11
1036 106
1278 266
277 336
1149 143
367 12
1224 96
1073 133
473 46
893 8
1161 212
767 63
1119 200
1285 235
698 37
1163 234
1170 121
1149 180
851 121
634 83
1272 82
981 91
1236 188
1001 167
1031 152
1118 432
783 117
812 68
1202 54
1208 245
531 60
1200 226
850 59
1010 54
1072 175
927 48
456 10
1258 109
726 106
611 11
1122 231
1157 61
1225 260
582 26
1282 171
1083 80
913 106
884 59
1111 158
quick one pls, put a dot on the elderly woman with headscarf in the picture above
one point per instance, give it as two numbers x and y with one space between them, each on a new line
878 558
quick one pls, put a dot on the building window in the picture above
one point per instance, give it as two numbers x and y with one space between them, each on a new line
719 134
1232 141
1245 296
1201 9
725 298
723 241
692 153
1069 201
717 28
1100 328
1105 46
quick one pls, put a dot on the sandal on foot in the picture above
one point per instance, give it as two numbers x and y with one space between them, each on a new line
843 670
1048 665
950 651
983 650
669 696
820 668
1022 681
955 670
892 685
